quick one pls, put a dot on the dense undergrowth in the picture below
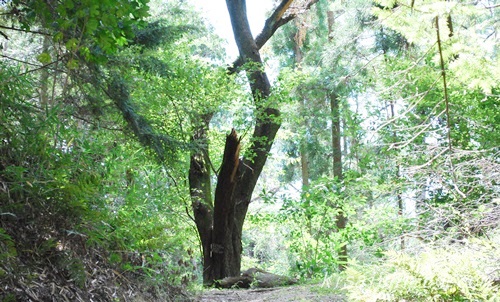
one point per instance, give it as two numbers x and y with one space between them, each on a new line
392 258
468 271
446 269
79 220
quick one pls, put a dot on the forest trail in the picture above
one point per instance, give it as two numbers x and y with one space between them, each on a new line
277 294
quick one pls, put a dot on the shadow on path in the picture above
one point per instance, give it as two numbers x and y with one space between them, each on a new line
277 294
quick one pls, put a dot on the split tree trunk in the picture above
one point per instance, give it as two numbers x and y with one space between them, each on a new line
220 227
220 235
226 253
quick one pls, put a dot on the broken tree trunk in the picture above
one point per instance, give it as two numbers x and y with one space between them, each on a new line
226 256
222 245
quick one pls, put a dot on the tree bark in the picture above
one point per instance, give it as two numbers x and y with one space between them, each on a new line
275 21
221 233
341 219
267 121
221 227
398 176
226 254
200 189
299 38
336 137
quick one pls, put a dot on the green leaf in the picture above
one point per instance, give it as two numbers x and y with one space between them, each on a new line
61 10
44 58
92 25
85 52
58 37
72 64
72 44
121 41
94 10
69 4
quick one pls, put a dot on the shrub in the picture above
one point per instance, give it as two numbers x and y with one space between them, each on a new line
451 273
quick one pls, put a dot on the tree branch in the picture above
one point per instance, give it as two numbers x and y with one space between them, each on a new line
24 30
33 64
445 86
162 145
275 21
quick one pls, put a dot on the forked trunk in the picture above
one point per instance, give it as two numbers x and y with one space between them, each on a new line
220 226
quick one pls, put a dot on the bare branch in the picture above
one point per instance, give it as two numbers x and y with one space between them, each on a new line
26 31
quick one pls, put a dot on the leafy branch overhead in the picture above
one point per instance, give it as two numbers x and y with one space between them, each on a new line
140 125
90 28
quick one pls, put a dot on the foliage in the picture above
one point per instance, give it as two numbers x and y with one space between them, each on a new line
67 178
84 183
472 41
440 138
129 205
34 162
313 239
88 29
404 176
263 244
455 273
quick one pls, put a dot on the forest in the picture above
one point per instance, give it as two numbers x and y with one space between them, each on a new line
348 151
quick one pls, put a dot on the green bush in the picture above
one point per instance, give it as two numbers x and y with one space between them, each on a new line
452 273
68 187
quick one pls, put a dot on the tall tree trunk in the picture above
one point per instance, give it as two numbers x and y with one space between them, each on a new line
267 120
298 40
304 165
398 176
336 137
201 191
220 224
341 219
237 178
304 160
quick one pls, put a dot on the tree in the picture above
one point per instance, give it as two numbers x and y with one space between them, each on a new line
219 222
333 80
220 227
435 133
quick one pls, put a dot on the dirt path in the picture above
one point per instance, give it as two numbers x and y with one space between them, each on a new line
278 294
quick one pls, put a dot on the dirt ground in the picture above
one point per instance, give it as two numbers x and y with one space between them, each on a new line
278 294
